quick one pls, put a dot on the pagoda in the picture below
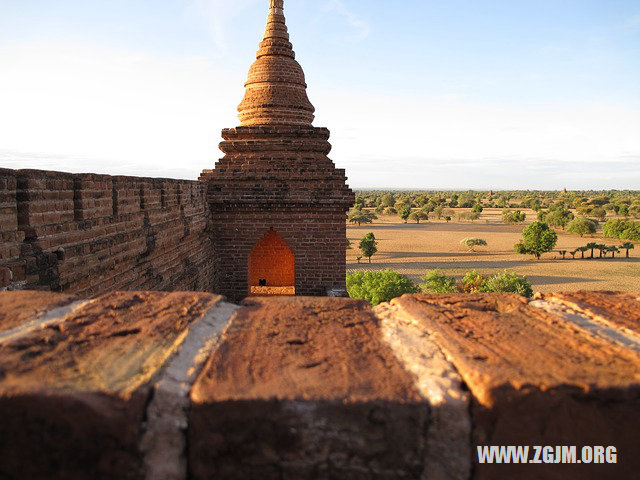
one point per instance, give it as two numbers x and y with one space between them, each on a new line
277 202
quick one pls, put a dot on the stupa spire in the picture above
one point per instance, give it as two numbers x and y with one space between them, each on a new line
276 92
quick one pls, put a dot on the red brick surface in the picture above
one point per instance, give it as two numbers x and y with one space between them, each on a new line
89 234
73 396
536 380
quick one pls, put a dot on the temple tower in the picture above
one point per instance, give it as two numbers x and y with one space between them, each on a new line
278 203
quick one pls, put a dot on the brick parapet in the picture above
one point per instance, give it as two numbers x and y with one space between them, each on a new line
120 385
90 233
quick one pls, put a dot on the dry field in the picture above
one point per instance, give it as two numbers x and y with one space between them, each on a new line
413 249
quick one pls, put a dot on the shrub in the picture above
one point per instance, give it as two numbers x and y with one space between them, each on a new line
472 282
378 287
508 282
437 282
582 226
470 243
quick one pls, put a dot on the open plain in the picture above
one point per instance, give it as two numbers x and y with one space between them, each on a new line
414 249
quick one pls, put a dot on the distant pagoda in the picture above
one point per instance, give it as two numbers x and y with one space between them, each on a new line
278 203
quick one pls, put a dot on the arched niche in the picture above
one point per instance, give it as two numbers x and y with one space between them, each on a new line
272 268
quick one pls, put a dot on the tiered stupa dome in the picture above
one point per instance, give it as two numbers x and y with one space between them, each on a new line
276 92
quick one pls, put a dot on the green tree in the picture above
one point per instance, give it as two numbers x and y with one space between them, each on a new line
599 213
378 287
511 216
388 200
477 208
582 226
404 213
361 216
419 215
471 243
613 251
369 245
601 248
559 218
632 232
537 239
582 250
614 227
436 281
627 246
592 246
563 253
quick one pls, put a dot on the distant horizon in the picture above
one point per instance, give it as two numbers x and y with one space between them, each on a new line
530 95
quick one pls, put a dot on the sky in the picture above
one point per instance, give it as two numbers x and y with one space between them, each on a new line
418 94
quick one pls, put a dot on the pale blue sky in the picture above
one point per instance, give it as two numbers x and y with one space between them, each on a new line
417 94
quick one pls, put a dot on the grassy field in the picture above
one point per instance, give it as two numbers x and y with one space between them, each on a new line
414 249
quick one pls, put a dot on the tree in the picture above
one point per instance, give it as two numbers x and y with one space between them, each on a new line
388 200
438 212
582 250
558 218
361 216
477 208
378 287
632 232
537 239
437 282
404 213
627 246
390 211
601 248
510 216
419 215
379 209
613 251
592 246
563 253
369 245
573 253
470 243
582 226
614 227
599 213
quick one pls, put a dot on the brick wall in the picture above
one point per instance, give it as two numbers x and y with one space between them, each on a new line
317 239
280 178
90 234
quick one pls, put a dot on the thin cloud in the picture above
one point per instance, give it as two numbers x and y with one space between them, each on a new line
216 15
360 27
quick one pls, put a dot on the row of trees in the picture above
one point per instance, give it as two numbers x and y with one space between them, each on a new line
602 248
596 204
383 286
